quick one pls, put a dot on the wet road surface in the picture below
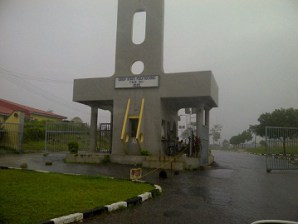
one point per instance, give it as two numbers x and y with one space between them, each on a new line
236 190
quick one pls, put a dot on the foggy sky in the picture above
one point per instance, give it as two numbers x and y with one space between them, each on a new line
250 45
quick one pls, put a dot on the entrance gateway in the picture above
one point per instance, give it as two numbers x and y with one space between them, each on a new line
144 104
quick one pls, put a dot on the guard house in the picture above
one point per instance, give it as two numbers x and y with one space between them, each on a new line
144 104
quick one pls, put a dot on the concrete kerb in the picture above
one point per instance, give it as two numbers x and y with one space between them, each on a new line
77 217
116 206
95 212
145 196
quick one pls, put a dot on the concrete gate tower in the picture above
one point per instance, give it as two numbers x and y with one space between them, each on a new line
144 106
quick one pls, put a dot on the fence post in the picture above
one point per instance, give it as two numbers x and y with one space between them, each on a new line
46 137
20 132
93 128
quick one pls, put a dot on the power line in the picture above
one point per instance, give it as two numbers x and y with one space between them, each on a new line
28 86
41 92
34 78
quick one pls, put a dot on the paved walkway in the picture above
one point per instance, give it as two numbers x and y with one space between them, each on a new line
38 161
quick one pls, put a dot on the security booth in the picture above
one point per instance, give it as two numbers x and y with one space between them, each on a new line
143 100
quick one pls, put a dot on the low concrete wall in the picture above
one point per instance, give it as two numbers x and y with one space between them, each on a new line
179 163
192 163
85 158
211 159
163 164
127 159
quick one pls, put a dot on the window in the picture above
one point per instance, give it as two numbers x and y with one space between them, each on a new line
134 127
139 27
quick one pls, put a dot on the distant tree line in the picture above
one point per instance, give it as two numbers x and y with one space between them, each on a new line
278 118
245 136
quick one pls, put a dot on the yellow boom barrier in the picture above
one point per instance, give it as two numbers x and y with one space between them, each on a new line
125 119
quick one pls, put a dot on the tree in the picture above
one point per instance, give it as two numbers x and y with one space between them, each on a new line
241 138
278 118
225 144
246 136
77 120
215 132
235 140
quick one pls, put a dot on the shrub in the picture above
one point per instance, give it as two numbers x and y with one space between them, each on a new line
106 159
34 131
263 143
2 133
24 166
145 153
73 147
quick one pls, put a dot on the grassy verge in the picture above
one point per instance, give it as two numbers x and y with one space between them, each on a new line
33 146
31 197
258 150
263 150
7 151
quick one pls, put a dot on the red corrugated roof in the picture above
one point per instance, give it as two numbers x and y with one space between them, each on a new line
7 107
5 110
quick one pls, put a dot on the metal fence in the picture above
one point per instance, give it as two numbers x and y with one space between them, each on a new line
282 148
59 135
11 136
104 141
33 136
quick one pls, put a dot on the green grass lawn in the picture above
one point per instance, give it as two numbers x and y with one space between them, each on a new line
31 197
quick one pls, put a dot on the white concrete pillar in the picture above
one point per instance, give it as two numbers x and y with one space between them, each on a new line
112 128
207 117
202 134
199 118
93 128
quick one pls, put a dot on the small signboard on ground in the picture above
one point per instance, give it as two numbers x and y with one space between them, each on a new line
136 174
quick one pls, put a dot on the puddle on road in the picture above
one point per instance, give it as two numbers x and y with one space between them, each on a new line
172 213
219 198
191 206
219 173
215 196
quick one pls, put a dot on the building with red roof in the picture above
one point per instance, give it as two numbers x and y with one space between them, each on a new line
8 107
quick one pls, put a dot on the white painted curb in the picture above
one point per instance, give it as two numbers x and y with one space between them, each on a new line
73 174
158 188
42 171
76 217
116 206
145 196
14 168
274 221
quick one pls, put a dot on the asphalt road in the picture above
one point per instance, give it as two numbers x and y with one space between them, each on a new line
237 190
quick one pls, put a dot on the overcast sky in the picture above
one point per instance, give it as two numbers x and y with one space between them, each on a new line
251 46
